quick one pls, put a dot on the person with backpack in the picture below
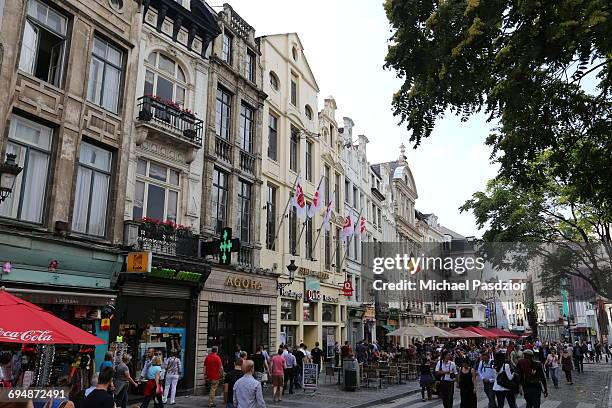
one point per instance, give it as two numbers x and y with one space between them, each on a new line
446 371
533 379
486 372
505 386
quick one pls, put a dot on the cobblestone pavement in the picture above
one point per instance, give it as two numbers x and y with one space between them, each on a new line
590 390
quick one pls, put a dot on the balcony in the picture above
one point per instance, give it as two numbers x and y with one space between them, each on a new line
161 238
245 256
223 149
247 162
168 119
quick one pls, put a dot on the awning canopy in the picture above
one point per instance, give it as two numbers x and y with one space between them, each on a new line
413 330
465 334
503 334
24 322
482 331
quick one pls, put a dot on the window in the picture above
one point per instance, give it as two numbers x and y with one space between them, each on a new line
452 313
327 250
294 89
347 191
308 238
288 308
466 313
118 4
165 78
331 135
294 53
219 200
308 112
309 153
272 136
327 185
355 198
337 195
308 309
357 289
91 197
294 148
31 143
244 211
223 111
328 312
157 191
251 61
105 75
247 118
337 260
271 217
226 51
42 47
293 227
274 82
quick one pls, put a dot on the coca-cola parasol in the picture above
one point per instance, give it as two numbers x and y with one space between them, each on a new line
24 322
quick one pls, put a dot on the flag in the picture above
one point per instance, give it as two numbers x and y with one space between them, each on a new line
348 228
362 225
316 201
328 213
299 201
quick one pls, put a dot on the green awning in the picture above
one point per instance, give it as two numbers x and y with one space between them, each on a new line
388 327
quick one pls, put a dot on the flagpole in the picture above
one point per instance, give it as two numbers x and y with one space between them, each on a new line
349 242
297 244
280 224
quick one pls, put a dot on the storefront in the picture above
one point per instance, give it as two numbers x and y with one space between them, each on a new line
236 309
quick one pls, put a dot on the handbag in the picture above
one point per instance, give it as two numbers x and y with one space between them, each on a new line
504 381
264 377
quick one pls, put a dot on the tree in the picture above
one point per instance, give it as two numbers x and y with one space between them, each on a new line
528 65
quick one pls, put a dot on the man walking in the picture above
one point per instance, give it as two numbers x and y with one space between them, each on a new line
230 379
578 356
532 380
247 390
213 372
317 357
486 372
290 364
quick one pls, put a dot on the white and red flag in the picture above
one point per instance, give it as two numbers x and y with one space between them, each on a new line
317 201
328 213
299 201
348 227
362 226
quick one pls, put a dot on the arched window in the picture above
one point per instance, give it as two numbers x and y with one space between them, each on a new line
274 82
308 111
165 78
294 53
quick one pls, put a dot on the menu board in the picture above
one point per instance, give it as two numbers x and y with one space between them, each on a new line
310 376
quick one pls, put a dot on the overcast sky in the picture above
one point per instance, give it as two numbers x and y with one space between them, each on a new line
345 42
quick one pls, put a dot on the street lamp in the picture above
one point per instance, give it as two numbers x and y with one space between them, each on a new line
291 268
569 326
9 171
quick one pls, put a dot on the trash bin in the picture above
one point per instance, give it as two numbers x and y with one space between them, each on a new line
351 374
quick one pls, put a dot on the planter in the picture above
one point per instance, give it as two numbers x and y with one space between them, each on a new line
190 134
145 114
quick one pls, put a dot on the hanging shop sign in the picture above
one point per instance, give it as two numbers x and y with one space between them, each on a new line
139 262
238 282
347 288
312 289
309 272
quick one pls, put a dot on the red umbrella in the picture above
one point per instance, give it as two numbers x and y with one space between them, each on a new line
23 322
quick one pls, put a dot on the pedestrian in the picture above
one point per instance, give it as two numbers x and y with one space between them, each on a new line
230 381
247 390
153 388
504 385
552 365
261 365
277 371
486 372
466 381
108 361
578 357
426 379
533 380
337 354
100 397
317 357
147 362
290 366
213 372
299 354
566 365
173 373
447 371
123 379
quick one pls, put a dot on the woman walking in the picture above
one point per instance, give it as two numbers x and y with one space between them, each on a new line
277 370
552 367
503 382
122 381
567 365
467 385
153 387
426 378
173 373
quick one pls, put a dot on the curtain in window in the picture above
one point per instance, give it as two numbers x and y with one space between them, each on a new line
28 48
34 189
94 87
111 88
81 200
99 201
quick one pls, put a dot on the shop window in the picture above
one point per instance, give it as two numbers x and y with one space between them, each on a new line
288 335
309 312
329 340
157 192
104 84
247 127
43 44
271 217
31 143
223 109
244 211
219 200
288 308
328 312
467 313
92 188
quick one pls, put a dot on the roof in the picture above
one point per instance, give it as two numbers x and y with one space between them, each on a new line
448 231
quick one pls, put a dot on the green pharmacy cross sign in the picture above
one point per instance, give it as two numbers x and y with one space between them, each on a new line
222 247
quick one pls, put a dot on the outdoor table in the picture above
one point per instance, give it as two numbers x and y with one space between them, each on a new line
379 372
339 369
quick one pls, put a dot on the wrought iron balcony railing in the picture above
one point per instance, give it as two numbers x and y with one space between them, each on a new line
171 118
161 238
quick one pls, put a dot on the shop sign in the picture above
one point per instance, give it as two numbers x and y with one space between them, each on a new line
139 262
347 288
369 313
308 272
292 294
310 374
27 336
176 275
312 289
238 282
330 299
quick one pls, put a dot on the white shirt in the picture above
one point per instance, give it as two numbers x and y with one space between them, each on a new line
509 374
450 366
553 361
